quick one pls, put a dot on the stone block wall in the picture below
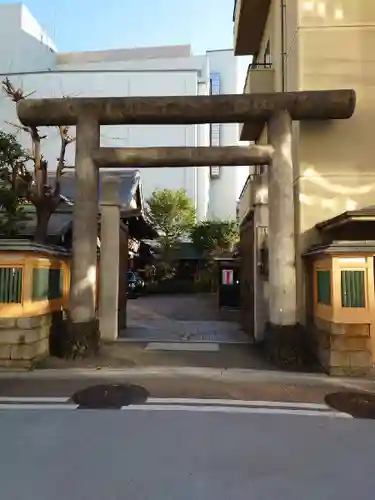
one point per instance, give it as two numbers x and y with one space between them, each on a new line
24 341
343 349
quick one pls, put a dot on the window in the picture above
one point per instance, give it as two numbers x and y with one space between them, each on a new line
215 128
215 83
11 285
48 284
353 289
323 286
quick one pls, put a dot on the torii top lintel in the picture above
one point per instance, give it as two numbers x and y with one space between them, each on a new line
305 105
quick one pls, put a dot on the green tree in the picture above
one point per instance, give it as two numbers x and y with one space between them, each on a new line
173 214
211 238
12 155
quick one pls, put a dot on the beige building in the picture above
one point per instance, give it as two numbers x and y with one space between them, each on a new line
314 45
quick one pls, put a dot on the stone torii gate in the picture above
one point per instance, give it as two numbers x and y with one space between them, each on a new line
278 110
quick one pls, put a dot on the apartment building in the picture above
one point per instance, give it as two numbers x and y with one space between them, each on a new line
302 45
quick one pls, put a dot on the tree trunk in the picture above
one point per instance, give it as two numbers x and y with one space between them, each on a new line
43 215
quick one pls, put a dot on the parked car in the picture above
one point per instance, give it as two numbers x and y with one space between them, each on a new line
135 284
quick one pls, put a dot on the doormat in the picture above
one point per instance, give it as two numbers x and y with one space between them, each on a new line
183 346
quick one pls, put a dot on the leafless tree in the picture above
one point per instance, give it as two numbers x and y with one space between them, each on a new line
33 184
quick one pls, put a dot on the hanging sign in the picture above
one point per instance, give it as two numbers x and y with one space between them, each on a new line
227 277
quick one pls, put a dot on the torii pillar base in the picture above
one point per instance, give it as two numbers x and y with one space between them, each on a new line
82 339
288 346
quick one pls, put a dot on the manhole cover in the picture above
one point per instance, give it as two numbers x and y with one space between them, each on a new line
357 404
112 396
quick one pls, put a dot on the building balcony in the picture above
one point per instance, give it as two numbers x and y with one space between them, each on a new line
249 17
260 79
251 193
245 201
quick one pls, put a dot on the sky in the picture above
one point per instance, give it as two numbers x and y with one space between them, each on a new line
77 25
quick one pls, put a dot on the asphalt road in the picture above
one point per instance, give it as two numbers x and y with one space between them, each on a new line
183 455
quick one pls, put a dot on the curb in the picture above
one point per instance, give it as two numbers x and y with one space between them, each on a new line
224 375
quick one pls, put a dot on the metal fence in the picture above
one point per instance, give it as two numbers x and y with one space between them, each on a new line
11 285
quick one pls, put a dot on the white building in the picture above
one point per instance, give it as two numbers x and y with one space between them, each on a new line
30 59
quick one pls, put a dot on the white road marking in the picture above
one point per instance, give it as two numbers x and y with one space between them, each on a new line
238 402
37 406
237 409
33 399
184 401
182 404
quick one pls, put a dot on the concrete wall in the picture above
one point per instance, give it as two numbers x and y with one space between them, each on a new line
283 43
336 171
225 191
326 45
24 45
139 53
335 160
117 83
29 57
203 173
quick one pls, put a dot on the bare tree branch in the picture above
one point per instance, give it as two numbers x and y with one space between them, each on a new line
36 187
20 127
40 166
65 140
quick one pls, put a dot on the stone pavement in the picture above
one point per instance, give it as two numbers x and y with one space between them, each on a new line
121 354
193 331
188 318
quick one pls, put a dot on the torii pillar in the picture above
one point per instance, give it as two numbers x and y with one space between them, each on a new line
110 221
281 240
83 323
